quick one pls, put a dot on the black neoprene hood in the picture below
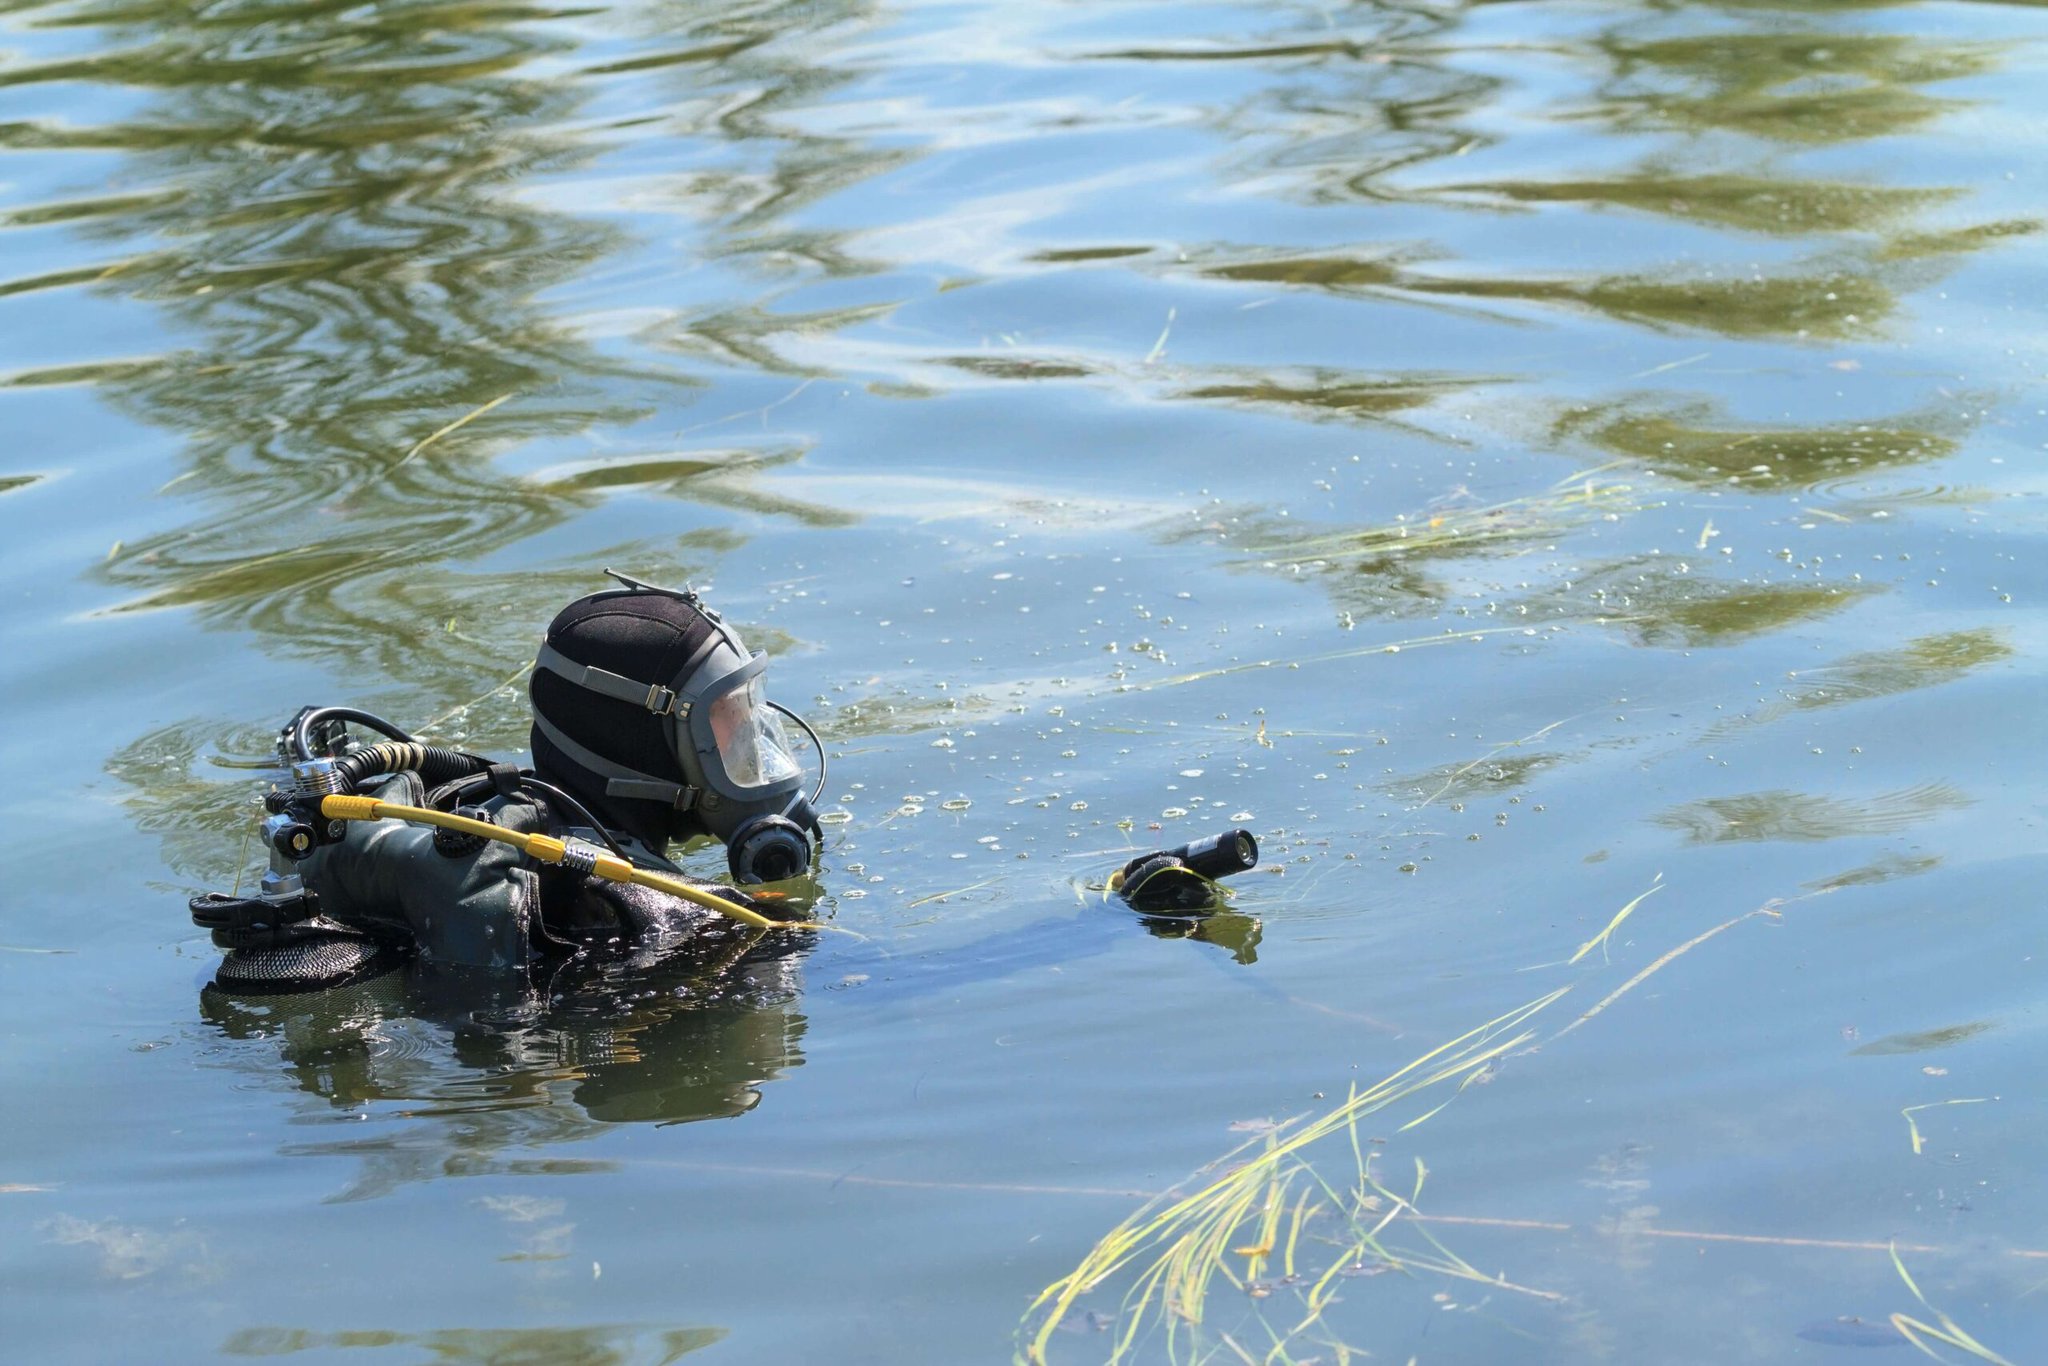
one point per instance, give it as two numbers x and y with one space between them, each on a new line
638 635
651 709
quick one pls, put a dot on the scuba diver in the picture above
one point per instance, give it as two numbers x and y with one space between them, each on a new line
651 724
555 947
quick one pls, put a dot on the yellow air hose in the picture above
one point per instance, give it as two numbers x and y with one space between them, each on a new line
548 849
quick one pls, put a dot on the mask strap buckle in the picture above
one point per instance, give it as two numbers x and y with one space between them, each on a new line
655 697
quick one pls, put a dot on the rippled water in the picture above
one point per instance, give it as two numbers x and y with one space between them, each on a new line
1511 456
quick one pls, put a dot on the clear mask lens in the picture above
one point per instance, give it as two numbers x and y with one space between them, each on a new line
752 746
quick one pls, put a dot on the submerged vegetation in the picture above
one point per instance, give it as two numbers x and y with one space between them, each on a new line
1268 1225
1944 1330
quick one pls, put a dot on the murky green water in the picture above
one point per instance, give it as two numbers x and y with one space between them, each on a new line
1510 456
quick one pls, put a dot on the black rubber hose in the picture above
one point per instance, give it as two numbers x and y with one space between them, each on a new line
435 765
302 726
816 743
439 765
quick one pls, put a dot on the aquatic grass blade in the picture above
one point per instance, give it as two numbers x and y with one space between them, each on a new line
1599 941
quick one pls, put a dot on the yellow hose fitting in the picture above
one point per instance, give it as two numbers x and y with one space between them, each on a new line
546 848
612 868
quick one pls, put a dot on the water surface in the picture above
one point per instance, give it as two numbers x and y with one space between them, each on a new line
1510 456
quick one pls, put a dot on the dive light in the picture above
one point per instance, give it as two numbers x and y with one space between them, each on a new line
1219 856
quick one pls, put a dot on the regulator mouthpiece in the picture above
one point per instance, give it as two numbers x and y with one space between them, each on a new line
768 849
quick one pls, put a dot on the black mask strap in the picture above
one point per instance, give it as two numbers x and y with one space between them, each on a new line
629 784
654 697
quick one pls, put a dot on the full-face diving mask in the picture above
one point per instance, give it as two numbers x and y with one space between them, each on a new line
681 722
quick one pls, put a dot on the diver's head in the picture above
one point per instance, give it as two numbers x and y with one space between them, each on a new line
652 710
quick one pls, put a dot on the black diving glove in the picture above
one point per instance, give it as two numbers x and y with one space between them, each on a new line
1160 883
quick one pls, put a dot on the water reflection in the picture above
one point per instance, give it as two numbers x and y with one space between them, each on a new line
182 787
1356 95
1412 563
1346 118
1663 603
1322 394
1495 775
1820 300
1955 241
459 1076
352 287
1783 205
1805 86
1923 1041
1692 440
1805 816
325 203
1923 662
1889 868
462 1078
366 233
743 75
592 1345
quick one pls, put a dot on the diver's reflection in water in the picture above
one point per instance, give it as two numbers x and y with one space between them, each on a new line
485 1068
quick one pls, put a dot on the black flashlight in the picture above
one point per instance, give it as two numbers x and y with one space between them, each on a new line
1219 856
